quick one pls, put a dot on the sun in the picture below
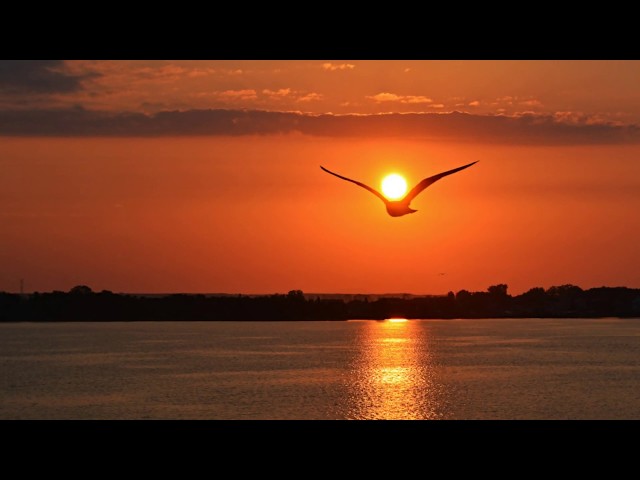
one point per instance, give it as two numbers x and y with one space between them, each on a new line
394 186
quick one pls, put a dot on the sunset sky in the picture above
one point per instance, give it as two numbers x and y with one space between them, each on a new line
203 176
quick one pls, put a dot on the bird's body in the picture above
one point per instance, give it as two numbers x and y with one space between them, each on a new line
398 208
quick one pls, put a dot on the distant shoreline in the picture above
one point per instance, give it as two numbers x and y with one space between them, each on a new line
14 322
82 304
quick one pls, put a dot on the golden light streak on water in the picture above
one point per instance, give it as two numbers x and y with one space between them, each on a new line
393 376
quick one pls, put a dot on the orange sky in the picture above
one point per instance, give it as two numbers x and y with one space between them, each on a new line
89 196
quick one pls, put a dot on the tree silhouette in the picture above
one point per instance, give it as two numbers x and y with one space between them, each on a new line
296 295
498 290
81 290
82 304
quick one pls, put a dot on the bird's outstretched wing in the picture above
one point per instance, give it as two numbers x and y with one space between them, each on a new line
428 181
367 187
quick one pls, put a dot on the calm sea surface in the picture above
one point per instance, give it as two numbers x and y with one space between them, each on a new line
418 369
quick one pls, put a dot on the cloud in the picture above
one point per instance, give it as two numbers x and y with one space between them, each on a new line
416 99
166 71
283 92
515 100
38 76
200 72
579 118
527 128
291 94
475 103
238 95
332 67
392 97
385 97
531 103
310 97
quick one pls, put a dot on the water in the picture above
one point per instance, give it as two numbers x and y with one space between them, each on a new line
428 369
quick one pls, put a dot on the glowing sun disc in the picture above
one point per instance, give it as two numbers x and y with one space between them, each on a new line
394 186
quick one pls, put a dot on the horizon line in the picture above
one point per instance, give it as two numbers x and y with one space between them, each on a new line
226 294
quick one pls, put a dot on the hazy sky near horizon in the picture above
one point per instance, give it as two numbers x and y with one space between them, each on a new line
189 176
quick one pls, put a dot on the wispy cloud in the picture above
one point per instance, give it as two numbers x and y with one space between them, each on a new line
510 100
531 103
310 97
200 72
282 92
392 97
248 94
474 103
581 118
525 128
289 94
385 97
332 67
166 71
116 73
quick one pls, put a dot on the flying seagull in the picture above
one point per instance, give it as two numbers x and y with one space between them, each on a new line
400 207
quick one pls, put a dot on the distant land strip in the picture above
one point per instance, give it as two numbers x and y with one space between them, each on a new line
81 303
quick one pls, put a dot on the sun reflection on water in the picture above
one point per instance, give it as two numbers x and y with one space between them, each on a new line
393 377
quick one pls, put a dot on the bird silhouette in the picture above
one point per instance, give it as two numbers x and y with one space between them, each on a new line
400 207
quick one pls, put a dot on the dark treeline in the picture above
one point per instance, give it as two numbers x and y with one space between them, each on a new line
82 304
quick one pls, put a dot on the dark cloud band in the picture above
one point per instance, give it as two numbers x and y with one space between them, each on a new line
524 129
37 76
